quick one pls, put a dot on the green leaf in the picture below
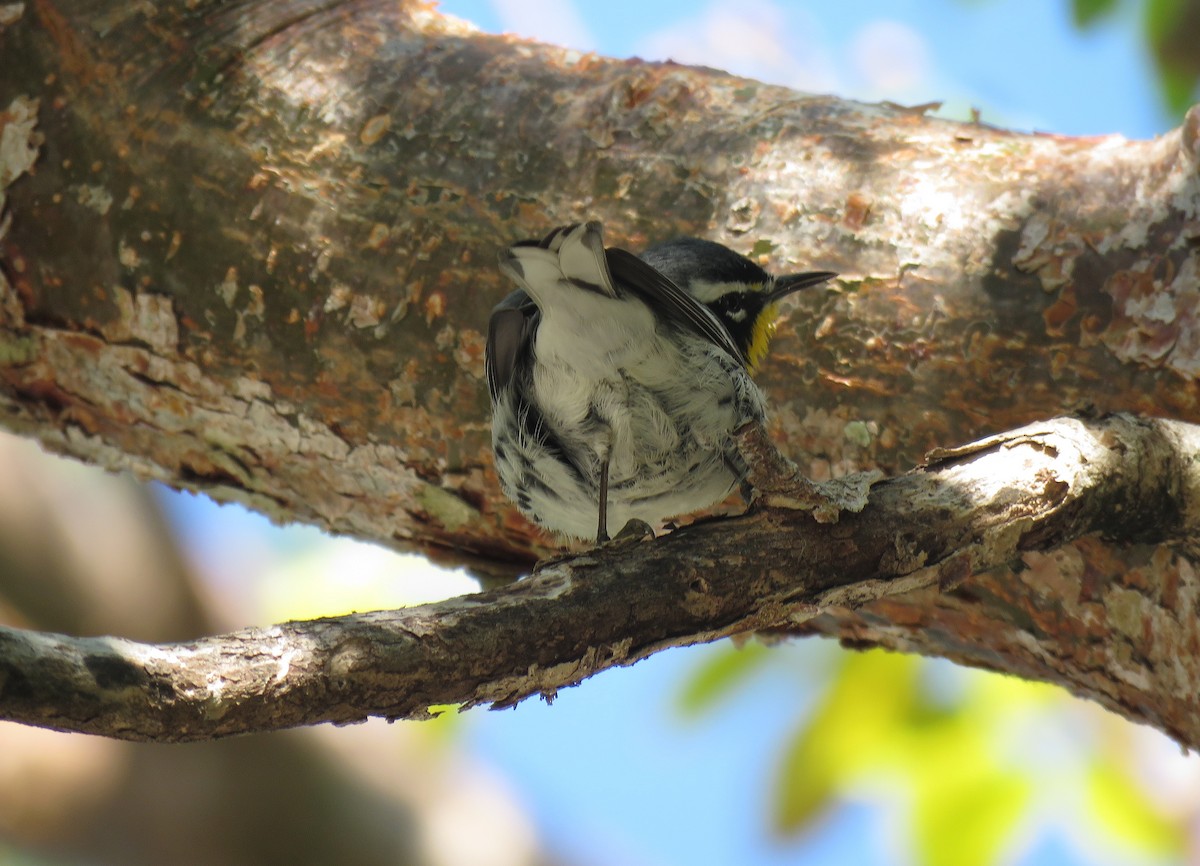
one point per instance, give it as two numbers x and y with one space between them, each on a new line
968 819
1172 29
808 781
852 730
1161 18
719 674
1123 810
1088 12
1178 89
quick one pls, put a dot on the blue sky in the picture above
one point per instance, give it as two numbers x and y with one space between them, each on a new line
612 774
1021 61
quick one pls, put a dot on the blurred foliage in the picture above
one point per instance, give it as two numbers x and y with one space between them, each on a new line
719 676
1088 11
11 857
1172 31
972 762
876 720
1115 798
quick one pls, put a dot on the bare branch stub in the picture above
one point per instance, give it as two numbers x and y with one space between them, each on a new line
778 482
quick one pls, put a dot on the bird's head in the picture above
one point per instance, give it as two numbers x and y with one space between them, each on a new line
740 293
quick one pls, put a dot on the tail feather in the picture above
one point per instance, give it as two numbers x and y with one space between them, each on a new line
532 268
571 254
581 257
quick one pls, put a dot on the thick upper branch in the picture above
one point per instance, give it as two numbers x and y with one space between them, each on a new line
248 248
969 510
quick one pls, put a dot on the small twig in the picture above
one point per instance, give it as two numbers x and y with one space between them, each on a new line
780 485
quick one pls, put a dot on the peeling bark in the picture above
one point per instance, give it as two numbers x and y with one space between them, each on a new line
246 249
969 510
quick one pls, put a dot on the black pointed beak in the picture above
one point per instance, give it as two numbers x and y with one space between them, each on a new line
789 283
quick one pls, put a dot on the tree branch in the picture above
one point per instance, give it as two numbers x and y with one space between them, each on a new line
969 509
248 249
245 249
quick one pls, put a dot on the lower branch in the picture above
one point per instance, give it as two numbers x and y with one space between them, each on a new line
1125 479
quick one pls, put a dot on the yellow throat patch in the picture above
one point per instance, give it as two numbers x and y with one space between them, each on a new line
760 336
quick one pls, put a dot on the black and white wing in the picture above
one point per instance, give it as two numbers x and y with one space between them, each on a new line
669 300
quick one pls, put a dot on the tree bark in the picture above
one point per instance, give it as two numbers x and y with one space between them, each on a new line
772 568
254 255
247 249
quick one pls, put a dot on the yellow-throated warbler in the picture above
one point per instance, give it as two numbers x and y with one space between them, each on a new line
617 381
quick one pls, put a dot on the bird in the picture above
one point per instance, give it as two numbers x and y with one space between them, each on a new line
617 382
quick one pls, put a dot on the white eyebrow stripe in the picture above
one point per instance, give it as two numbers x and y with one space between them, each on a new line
707 291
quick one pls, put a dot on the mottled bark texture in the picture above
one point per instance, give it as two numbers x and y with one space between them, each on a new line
772 568
248 249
